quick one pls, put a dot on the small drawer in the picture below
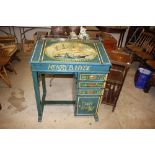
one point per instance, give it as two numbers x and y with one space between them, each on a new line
91 84
90 91
101 77
87 105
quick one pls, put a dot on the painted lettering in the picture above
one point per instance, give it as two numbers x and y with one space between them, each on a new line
68 67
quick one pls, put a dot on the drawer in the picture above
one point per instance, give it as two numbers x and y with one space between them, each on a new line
87 105
90 91
101 77
91 84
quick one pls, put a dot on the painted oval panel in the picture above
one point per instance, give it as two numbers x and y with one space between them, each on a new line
71 51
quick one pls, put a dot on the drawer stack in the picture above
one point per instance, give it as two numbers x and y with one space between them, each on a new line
90 89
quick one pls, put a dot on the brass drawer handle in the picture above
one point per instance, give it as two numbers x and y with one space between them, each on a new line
92 77
90 92
91 85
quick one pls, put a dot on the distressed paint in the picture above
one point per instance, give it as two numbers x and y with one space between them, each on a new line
89 74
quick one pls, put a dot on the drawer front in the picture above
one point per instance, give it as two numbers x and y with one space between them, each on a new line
90 91
91 84
87 105
101 77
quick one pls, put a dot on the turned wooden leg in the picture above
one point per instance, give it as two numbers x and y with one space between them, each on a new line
5 77
147 87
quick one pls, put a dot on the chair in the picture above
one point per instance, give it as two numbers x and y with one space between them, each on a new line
142 40
115 80
3 74
7 39
7 43
26 43
39 34
8 51
115 29
147 53
144 43
109 42
93 33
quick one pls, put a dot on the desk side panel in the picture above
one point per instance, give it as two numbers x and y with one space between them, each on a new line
37 51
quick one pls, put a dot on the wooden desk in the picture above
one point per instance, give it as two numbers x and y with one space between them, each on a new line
88 69
115 29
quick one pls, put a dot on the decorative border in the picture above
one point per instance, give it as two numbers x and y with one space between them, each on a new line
91 86
93 74
95 46
86 114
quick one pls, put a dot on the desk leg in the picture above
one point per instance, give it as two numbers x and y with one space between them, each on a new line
37 95
96 117
44 87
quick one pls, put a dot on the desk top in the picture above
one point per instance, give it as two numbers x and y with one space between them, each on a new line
113 29
70 52
151 63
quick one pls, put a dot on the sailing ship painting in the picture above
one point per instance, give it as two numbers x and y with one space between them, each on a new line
71 51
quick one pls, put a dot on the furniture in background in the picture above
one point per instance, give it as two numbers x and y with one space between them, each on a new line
9 49
63 31
109 42
9 46
24 41
6 54
28 43
115 80
143 47
147 53
151 82
39 35
115 29
58 31
3 73
93 33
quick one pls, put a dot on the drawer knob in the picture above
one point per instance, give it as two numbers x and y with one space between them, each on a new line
92 76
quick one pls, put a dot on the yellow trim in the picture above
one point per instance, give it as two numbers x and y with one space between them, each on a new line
41 51
44 50
98 106
93 75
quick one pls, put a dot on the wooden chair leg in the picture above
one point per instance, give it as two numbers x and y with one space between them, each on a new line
147 87
5 77
113 109
13 69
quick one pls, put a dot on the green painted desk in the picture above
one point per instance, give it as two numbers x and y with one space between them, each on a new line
87 61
